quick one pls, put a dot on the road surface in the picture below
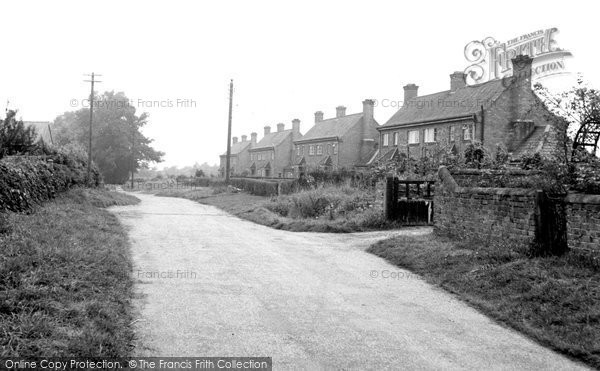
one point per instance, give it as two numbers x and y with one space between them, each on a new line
210 284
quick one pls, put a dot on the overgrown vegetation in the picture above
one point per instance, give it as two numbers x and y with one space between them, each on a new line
554 300
65 285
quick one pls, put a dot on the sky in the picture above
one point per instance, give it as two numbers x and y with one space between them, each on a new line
174 59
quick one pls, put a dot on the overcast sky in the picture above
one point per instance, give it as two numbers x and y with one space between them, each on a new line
287 59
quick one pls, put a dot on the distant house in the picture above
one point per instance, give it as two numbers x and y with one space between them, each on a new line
345 141
239 162
498 112
42 129
272 156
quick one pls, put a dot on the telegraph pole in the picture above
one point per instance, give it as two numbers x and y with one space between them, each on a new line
133 161
92 81
227 165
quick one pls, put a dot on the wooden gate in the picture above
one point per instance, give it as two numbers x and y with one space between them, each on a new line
409 201
551 225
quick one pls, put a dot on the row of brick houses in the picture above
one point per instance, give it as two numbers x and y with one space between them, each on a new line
499 112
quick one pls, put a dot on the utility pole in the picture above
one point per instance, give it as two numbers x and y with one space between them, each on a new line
133 161
92 81
227 165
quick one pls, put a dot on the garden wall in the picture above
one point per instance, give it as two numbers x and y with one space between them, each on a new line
583 222
485 213
265 187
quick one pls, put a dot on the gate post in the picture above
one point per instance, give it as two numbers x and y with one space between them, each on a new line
388 198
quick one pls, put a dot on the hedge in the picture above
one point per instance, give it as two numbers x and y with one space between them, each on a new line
264 187
26 181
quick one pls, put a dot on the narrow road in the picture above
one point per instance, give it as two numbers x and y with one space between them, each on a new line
211 284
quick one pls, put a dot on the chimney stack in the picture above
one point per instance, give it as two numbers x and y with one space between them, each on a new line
458 80
280 127
244 138
368 107
253 137
318 116
234 140
267 130
519 86
410 92
340 111
296 126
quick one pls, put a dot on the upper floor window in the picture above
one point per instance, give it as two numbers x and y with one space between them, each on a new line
386 139
319 149
430 136
468 132
273 155
452 133
328 150
396 138
334 145
297 150
311 150
413 137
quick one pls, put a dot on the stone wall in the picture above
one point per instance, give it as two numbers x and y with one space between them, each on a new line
486 213
583 222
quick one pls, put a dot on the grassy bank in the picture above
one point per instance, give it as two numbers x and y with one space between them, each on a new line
334 210
65 285
555 301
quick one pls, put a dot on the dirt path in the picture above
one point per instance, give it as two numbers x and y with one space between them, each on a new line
310 301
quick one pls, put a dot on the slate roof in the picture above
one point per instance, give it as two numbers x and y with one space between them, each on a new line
237 148
272 139
334 127
42 129
447 104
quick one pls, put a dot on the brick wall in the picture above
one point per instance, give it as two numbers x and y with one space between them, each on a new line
485 213
583 222
493 178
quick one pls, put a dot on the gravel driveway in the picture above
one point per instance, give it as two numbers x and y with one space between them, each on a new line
211 284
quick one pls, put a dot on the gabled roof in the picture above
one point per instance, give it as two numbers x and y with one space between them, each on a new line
326 161
331 128
447 104
271 140
237 148
42 130
266 166
302 161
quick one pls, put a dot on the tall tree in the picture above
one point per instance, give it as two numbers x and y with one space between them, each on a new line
15 137
118 144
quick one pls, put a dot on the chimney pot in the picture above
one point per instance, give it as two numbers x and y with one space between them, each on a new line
244 138
234 140
267 130
318 116
280 127
458 80
340 111
410 92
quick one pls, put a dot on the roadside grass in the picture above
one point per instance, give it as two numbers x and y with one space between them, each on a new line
65 284
329 209
553 300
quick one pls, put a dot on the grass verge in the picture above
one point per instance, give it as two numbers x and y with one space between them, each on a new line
312 213
553 300
65 285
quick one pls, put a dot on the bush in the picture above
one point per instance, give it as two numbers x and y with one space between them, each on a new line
27 181
261 187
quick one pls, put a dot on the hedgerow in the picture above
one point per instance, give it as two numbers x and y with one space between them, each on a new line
26 181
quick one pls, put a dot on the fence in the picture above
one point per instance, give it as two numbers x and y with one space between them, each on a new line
409 201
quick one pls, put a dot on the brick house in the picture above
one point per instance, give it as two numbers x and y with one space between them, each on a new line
344 141
239 162
499 112
272 156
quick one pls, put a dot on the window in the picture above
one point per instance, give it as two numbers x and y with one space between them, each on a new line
334 149
319 149
452 133
302 152
311 150
273 155
468 132
429 135
252 157
328 151
396 138
386 139
297 150
413 137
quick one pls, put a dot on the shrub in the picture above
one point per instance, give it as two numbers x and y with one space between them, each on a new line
27 181
15 138
261 187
